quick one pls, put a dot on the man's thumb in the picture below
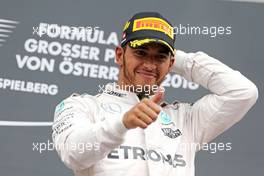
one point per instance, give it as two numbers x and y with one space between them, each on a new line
158 96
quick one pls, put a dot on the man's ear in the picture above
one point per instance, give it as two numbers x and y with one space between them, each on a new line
119 52
172 60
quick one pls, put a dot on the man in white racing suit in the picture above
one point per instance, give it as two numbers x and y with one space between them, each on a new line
123 132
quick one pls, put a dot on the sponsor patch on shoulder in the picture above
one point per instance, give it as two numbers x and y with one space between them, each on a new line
60 107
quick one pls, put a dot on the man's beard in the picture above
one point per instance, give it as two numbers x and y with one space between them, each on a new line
129 79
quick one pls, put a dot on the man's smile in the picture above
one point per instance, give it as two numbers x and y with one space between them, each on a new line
147 74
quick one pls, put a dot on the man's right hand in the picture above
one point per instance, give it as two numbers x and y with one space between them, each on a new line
144 113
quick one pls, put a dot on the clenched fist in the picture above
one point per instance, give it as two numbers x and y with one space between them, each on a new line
143 113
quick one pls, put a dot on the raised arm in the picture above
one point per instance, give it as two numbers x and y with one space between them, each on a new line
232 94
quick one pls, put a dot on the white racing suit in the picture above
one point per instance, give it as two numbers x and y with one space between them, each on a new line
91 139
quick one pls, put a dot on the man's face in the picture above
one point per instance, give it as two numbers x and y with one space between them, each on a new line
144 65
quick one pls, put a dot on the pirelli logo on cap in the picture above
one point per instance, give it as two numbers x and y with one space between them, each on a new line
153 24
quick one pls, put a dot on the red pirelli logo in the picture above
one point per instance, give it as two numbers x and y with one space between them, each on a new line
153 24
